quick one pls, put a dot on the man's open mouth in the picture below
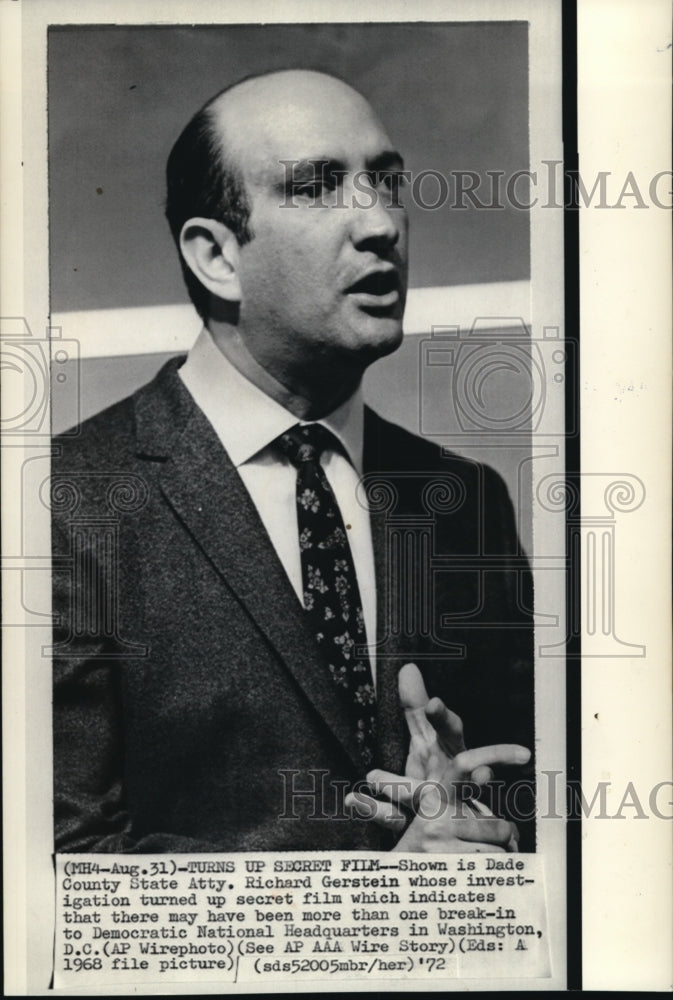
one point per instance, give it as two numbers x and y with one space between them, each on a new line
378 289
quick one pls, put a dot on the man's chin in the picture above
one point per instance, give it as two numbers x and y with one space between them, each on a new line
378 335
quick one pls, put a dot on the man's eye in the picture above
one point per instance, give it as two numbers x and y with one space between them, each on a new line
309 189
392 180
391 183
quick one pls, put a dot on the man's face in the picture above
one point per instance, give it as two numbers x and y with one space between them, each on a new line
323 279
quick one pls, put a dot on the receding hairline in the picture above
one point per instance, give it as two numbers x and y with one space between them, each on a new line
259 81
218 108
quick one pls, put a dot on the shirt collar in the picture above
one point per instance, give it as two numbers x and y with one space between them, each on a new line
245 419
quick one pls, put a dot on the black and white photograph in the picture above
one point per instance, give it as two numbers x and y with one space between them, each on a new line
298 460
285 571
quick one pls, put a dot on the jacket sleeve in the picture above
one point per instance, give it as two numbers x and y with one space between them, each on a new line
90 813
512 692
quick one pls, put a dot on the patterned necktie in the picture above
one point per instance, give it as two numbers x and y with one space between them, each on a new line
331 594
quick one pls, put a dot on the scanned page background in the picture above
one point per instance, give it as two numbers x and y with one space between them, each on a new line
624 95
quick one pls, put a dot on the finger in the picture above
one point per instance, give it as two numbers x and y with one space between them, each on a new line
480 807
422 760
424 796
500 753
513 845
411 687
447 725
413 699
382 813
398 790
490 830
482 775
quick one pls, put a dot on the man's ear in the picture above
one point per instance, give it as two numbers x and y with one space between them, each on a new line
211 252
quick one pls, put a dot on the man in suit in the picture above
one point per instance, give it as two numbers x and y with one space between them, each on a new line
242 550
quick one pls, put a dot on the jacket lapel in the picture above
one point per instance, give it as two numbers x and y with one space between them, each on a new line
391 725
206 493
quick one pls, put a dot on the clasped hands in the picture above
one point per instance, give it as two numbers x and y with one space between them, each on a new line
426 805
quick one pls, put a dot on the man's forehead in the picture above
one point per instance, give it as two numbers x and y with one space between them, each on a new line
297 115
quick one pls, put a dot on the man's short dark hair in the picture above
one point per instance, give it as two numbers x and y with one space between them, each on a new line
200 181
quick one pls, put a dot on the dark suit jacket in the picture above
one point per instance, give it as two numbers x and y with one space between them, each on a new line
188 696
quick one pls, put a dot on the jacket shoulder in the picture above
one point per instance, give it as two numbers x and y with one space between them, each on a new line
412 465
111 436
105 437
390 446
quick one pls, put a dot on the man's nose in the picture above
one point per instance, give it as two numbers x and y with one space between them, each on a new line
374 219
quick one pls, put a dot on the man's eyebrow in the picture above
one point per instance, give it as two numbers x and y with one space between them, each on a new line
312 167
390 159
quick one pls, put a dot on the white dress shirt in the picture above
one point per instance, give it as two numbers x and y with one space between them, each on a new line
246 421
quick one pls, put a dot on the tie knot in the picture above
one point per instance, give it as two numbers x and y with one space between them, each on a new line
306 443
